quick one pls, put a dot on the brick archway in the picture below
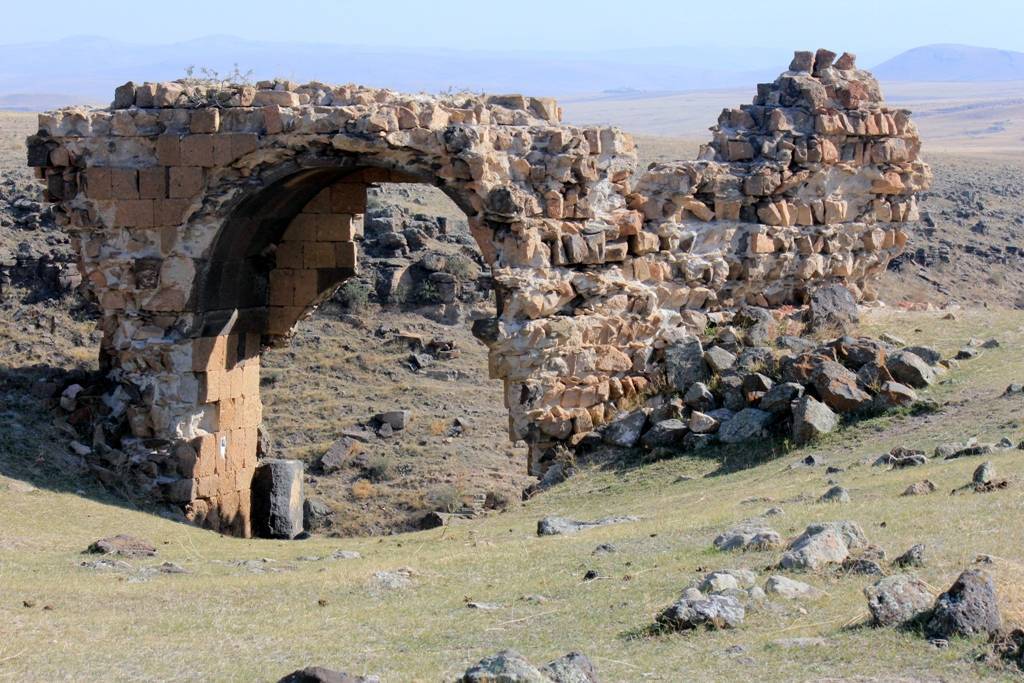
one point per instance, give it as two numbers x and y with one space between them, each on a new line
208 220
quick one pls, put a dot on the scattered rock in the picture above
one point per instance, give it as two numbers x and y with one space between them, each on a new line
812 419
838 389
398 579
485 606
822 544
508 666
345 555
926 353
727 579
969 607
396 419
748 537
836 494
702 423
713 612
778 399
122 545
984 473
800 643
897 599
791 589
556 526
914 557
605 549
919 488
318 674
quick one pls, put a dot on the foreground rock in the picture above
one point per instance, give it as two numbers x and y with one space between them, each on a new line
318 674
123 545
970 607
277 499
557 526
712 612
823 544
791 589
812 419
897 599
508 666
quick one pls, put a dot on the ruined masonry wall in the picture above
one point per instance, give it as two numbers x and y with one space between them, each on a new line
209 220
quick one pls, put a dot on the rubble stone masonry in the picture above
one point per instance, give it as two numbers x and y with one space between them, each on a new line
210 219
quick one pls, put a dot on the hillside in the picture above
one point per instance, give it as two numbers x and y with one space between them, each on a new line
952 63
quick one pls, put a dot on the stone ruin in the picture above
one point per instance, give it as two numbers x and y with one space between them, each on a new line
209 219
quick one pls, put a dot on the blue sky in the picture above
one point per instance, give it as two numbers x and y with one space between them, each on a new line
874 29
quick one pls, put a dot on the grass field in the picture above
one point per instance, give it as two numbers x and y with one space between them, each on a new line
278 612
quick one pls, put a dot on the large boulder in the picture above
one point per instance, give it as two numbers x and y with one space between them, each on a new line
747 424
553 525
123 545
833 309
277 499
897 599
970 607
910 369
625 431
823 544
684 363
713 612
838 389
665 433
812 419
778 399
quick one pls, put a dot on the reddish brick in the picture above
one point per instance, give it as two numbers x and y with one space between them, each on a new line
289 255
168 150
205 120
210 386
282 287
197 150
348 198
318 254
305 287
209 353
124 183
185 181
169 212
153 183
345 254
135 213
97 183
321 203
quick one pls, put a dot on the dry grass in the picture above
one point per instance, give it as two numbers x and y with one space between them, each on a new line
181 626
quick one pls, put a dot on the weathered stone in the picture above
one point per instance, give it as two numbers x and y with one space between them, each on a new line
714 612
748 537
919 488
914 557
699 397
625 431
684 363
968 608
556 526
747 424
777 400
833 308
277 499
836 494
897 599
811 420
838 389
908 368
123 545
822 544
396 419
718 359
319 674
665 434
791 589
702 423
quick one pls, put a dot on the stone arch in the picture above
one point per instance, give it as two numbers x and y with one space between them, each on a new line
174 194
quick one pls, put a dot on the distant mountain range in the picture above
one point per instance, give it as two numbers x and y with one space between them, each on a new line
85 69
953 63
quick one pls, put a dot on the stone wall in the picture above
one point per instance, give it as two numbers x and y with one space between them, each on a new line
209 219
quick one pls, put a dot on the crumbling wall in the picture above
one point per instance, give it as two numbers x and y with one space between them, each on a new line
210 219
